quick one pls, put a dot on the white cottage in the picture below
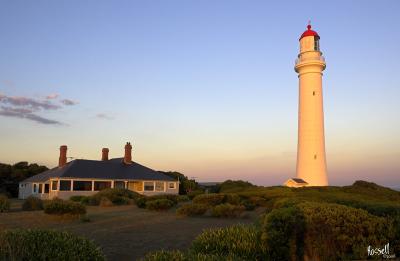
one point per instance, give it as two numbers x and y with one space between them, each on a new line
87 177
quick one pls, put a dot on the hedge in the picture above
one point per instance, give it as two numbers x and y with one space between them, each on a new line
227 210
192 209
38 244
159 204
61 207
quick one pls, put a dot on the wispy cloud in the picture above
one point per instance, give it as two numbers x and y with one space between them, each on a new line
28 108
52 96
28 102
104 116
68 102
26 114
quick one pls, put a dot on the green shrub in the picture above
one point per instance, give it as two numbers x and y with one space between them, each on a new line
32 203
141 202
29 244
105 202
159 204
227 210
211 199
233 199
116 195
194 193
338 232
4 203
61 207
80 199
282 234
192 209
240 240
172 197
234 186
183 198
248 205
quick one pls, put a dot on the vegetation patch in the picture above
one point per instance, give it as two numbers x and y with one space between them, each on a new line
62 207
46 245
240 241
4 203
227 210
194 209
159 204
116 195
32 203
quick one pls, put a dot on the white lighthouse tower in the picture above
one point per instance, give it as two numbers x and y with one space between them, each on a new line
311 160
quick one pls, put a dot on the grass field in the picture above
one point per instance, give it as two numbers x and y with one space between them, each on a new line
123 232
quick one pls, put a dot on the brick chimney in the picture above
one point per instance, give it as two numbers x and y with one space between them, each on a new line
128 153
104 154
63 156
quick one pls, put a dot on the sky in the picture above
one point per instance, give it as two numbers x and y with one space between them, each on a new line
206 88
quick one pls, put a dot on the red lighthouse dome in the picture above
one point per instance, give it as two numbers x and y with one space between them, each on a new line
309 32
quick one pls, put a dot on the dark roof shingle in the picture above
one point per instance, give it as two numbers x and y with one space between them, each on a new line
94 169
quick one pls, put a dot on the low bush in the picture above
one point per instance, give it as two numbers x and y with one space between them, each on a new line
29 244
282 234
172 197
159 204
240 241
141 202
234 186
4 203
61 207
80 199
183 198
248 205
105 202
339 232
192 209
116 195
211 199
163 255
32 203
233 199
227 210
194 193
323 231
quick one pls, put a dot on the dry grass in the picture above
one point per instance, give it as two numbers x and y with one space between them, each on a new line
124 232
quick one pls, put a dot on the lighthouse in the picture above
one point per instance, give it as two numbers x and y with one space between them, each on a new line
311 160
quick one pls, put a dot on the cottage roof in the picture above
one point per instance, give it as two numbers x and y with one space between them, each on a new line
94 169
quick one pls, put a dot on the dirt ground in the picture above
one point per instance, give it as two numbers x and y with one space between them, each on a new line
123 232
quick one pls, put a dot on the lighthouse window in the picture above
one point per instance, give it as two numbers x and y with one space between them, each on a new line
313 93
315 156
316 44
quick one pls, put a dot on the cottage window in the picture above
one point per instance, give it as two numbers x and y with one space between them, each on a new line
148 186
65 185
159 186
40 188
171 185
54 185
100 185
82 185
119 184
34 188
46 188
